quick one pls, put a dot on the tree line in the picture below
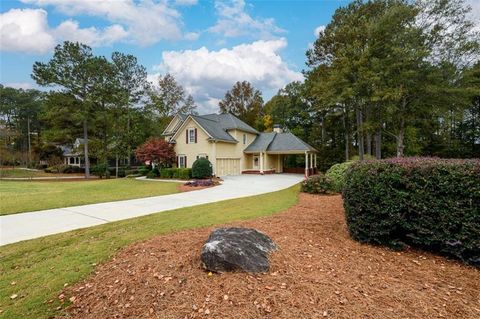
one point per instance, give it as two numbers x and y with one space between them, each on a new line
384 78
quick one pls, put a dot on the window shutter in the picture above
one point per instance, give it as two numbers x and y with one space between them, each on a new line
185 161
195 135
186 136
176 160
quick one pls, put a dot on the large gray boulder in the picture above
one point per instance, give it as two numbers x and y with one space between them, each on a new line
232 249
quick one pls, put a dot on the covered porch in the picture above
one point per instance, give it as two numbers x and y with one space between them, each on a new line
274 162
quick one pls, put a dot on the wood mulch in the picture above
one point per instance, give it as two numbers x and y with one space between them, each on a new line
319 272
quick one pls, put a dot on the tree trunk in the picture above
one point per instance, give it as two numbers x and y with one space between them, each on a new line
401 131
116 165
401 138
85 148
361 148
347 134
378 144
369 143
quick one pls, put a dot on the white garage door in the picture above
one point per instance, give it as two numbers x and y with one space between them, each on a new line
228 166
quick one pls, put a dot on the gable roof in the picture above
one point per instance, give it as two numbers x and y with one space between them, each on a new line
218 125
278 142
172 130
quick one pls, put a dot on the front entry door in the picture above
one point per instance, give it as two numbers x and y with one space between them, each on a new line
256 162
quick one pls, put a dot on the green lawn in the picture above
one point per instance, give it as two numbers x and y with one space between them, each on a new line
41 267
24 196
6 172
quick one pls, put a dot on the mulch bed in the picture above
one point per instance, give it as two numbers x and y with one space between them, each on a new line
185 188
319 272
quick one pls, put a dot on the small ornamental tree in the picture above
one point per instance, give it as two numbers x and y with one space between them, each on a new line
157 151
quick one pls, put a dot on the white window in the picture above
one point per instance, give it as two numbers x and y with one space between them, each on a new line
244 138
182 161
191 135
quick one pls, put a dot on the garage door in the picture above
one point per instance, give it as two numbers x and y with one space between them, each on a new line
228 166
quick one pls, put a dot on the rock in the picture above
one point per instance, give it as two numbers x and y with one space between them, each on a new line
231 249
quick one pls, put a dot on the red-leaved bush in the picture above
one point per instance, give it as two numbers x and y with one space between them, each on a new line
156 150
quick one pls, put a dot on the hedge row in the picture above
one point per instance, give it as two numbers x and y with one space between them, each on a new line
178 173
428 203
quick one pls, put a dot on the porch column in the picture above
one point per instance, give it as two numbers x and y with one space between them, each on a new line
306 164
214 158
261 163
315 166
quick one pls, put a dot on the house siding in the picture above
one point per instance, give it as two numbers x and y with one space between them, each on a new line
192 150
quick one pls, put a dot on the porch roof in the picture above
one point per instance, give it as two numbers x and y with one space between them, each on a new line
279 143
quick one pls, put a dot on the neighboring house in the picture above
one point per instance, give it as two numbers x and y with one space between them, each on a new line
72 155
232 146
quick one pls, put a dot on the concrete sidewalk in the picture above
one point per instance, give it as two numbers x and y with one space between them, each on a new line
23 226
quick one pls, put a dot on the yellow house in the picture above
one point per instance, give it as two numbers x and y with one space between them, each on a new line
232 146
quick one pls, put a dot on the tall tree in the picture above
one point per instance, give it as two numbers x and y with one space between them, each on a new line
243 101
73 69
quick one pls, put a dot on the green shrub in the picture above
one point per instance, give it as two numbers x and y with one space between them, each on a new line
166 172
100 170
202 168
337 174
151 174
143 170
176 173
424 202
317 184
185 173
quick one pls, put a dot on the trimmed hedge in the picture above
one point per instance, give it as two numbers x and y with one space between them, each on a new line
202 168
428 203
337 174
176 173
317 184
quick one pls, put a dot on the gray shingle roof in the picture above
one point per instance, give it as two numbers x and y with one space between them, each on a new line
214 128
278 142
230 122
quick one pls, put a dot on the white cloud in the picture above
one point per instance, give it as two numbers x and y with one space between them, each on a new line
234 22
186 2
19 85
69 30
207 75
27 30
318 29
146 22
192 36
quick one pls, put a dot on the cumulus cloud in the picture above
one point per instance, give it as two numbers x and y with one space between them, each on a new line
146 22
27 30
70 30
207 75
234 22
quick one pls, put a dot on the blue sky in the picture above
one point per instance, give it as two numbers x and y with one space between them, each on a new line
206 45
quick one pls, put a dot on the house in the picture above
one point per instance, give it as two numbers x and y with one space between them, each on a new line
232 146
72 155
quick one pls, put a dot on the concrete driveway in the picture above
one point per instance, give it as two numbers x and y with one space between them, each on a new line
18 227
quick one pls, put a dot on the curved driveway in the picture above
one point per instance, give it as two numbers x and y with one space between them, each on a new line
18 227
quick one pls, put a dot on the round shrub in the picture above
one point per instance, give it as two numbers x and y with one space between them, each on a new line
202 168
337 174
317 184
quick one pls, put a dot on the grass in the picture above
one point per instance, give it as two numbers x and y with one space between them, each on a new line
41 267
25 173
24 196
